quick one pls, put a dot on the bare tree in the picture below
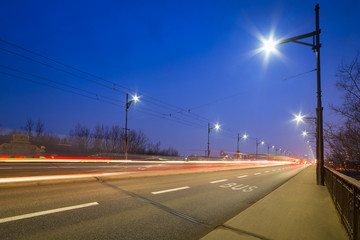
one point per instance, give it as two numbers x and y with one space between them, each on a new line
29 126
39 129
344 140
98 137
137 142
80 138
153 149
116 139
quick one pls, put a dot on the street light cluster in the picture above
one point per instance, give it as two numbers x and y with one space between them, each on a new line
216 127
304 119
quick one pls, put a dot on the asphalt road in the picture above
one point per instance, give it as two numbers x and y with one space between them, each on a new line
20 169
184 206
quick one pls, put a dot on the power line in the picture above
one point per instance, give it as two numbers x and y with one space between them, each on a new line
60 63
58 88
87 73
113 86
78 76
59 69
112 101
63 84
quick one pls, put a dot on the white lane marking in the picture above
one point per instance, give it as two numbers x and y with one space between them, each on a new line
222 180
243 176
267 171
257 173
170 190
30 215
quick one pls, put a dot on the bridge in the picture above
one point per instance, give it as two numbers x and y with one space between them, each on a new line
174 199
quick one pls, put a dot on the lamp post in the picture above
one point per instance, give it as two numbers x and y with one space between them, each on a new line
302 118
128 103
257 144
238 140
216 127
319 109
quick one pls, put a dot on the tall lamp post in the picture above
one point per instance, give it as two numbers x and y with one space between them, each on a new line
238 140
257 144
216 127
128 103
319 109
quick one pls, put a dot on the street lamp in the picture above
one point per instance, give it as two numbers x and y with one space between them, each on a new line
216 127
238 140
128 103
319 109
301 118
268 148
257 144
298 118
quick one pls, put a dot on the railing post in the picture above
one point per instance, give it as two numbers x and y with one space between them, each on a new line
355 215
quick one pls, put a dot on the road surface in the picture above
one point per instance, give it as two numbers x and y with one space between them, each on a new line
186 206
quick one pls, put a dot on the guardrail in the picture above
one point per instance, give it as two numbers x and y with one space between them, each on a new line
345 192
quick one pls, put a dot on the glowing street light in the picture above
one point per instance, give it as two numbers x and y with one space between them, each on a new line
245 136
298 118
315 45
216 127
269 45
128 103
257 144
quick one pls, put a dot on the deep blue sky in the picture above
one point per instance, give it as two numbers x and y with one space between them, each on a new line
195 55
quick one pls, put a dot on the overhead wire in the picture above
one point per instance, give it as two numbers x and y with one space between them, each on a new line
87 73
114 86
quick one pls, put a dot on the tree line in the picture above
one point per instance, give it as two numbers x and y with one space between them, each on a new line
343 139
83 140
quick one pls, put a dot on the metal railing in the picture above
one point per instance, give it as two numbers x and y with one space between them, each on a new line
345 192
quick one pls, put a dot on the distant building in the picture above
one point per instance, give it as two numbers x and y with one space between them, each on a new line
20 144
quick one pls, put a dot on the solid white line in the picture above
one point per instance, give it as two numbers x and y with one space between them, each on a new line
170 190
257 173
222 180
243 176
30 215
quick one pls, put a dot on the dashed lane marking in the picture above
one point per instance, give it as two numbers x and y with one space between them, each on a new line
217 181
171 190
35 214
243 176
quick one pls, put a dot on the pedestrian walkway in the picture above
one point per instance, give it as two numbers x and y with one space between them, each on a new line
299 209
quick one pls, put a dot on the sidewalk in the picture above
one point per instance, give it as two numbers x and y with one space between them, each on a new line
299 209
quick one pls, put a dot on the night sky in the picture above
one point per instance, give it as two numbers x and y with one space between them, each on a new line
191 62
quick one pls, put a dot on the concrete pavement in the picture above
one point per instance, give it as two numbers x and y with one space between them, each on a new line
299 209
